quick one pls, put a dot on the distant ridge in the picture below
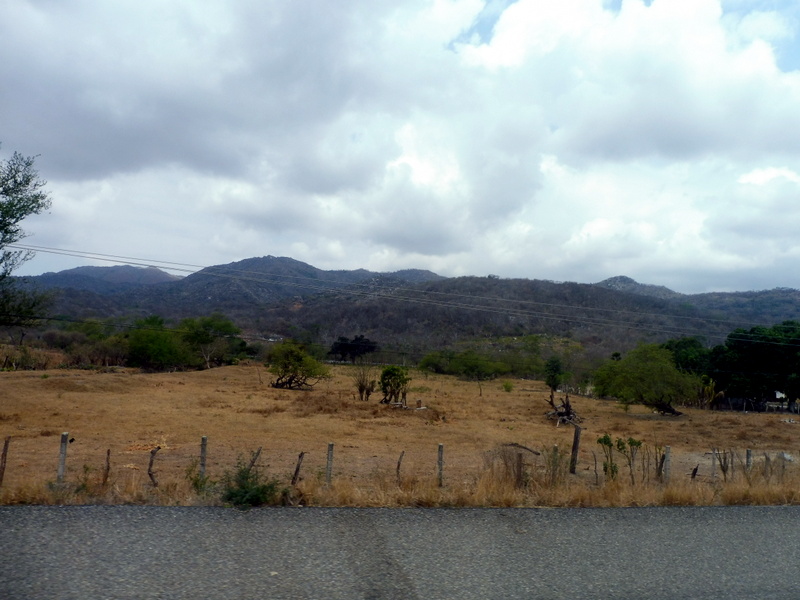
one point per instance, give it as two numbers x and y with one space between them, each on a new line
102 280
415 309
123 274
621 283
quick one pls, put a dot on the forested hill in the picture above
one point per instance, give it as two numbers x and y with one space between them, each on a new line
280 296
444 312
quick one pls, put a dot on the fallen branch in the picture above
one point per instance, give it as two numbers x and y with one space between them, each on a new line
563 414
521 447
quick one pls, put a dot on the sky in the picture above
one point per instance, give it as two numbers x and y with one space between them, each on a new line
574 140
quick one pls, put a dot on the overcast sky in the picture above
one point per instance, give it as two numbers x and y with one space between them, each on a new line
571 140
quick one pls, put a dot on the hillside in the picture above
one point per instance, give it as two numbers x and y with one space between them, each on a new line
414 309
102 280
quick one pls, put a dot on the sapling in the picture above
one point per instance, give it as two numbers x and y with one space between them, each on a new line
629 449
609 467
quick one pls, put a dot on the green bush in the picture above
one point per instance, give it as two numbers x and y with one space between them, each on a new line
244 486
394 384
201 484
294 368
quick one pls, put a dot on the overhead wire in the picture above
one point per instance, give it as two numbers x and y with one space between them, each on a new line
331 285
412 295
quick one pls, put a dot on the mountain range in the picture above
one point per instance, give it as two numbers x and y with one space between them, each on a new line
415 309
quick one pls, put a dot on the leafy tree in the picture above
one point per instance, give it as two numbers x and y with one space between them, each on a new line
755 363
213 338
153 347
294 368
553 373
472 365
438 362
351 350
646 375
689 354
468 364
394 384
21 195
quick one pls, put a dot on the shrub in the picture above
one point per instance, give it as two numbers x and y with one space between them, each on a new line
201 484
294 368
244 486
394 384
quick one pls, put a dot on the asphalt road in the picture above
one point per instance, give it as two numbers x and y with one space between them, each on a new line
295 553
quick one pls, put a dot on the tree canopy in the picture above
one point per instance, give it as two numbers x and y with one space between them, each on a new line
646 375
154 347
21 195
294 368
554 374
347 349
757 362
213 338
468 364
394 384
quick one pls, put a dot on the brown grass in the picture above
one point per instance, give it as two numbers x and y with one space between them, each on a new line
131 413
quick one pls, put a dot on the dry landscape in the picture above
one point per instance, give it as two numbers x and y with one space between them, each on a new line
131 413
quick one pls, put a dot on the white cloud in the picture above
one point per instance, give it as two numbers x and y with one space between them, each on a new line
766 175
569 140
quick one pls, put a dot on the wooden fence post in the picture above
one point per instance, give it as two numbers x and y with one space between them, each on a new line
3 458
150 472
296 476
107 470
203 452
329 465
667 463
576 444
440 465
713 464
399 463
254 458
519 472
62 458
748 459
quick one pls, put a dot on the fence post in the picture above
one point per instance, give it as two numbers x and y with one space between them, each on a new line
667 462
713 464
150 472
748 459
3 458
203 451
576 444
107 470
399 462
62 457
296 476
440 465
329 465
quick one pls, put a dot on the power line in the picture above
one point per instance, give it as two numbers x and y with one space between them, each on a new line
269 277
412 295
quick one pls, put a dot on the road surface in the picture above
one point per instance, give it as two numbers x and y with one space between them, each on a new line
113 552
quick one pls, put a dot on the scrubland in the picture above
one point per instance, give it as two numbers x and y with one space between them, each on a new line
131 413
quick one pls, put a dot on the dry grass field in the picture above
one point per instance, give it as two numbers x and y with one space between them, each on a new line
131 413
